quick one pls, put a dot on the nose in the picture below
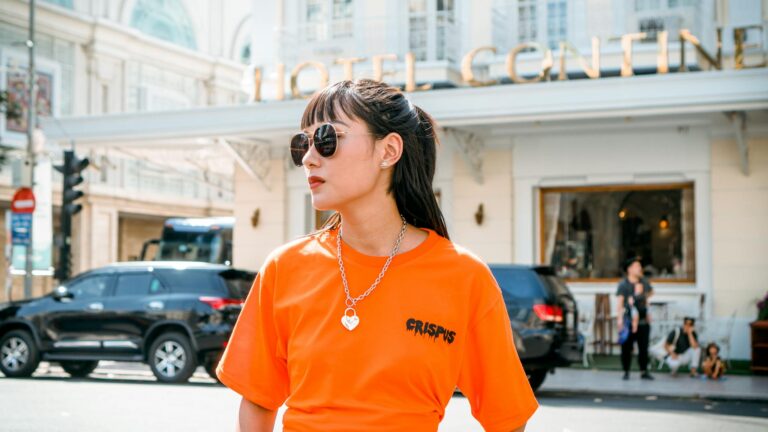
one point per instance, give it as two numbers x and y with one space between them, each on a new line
311 157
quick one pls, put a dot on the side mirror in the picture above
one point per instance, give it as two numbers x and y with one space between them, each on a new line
61 293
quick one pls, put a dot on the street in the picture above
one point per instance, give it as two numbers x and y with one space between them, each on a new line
125 397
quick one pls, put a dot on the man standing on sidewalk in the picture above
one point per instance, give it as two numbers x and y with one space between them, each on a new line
636 287
684 351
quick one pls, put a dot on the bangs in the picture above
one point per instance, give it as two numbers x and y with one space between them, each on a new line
330 103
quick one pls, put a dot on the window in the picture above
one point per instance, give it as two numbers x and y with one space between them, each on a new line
238 282
63 3
245 54
417 29
137 284
641 5
651 26
432 30
588 233
557 15
191 281
526 21
89 287
166 20
328 19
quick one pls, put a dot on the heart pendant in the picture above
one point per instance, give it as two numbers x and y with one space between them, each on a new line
350 322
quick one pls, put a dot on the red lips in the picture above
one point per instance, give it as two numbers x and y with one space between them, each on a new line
315 181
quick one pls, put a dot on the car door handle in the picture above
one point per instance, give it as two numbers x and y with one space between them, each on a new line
96 307
155 305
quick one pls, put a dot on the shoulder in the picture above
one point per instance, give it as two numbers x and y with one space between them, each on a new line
301 247
460 258
623 286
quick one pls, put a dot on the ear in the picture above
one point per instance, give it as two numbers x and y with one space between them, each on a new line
389 150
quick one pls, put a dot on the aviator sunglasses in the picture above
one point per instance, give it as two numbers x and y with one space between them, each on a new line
325 139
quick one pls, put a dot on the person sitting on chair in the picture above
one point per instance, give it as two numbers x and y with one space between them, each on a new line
713 366
683 348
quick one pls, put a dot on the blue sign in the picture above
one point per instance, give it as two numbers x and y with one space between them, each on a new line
21 224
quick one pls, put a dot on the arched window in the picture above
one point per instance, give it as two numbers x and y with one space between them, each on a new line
164 19
245 53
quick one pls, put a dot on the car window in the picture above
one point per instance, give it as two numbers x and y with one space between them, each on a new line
519 283
191 281
133 284
238 282
157 287
89 287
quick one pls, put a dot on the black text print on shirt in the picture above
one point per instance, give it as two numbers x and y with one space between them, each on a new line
432 330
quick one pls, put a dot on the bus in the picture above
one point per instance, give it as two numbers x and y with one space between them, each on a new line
192 239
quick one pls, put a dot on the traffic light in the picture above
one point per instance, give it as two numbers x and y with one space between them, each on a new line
71 170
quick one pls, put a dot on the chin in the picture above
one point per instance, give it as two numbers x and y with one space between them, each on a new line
321 203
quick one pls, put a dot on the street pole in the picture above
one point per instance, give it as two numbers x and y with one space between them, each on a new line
32 101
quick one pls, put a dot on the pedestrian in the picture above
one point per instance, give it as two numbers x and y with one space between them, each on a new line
683 348
713 366
373 321
633 294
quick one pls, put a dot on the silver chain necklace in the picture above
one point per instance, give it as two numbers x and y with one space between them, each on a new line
350 322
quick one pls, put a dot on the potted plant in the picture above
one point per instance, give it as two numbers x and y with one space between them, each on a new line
762 309
760 338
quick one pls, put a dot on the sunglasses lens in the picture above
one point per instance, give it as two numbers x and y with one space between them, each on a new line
325 140
299 147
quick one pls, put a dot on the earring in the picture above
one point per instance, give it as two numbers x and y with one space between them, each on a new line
384 164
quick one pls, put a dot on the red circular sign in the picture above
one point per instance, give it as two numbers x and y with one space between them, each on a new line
23 201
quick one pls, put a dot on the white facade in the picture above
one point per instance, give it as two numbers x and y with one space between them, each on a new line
116 57
503 145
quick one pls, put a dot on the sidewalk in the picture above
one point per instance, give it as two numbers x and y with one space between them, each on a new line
596 382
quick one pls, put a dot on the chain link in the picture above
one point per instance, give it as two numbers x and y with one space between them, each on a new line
351 302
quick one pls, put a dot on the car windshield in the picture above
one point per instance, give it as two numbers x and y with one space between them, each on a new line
190 246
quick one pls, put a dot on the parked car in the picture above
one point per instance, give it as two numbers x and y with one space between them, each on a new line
544 318
173 316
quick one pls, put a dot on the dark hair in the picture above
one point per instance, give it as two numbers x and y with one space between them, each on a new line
692 320
384 110
631 261
712 344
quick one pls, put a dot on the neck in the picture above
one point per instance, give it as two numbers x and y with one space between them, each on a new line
633 278
372 229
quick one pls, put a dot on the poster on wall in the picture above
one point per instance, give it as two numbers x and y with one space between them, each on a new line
14 68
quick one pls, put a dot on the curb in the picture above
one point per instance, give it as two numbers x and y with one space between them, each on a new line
645 394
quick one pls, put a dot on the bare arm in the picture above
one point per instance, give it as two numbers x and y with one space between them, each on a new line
254 418
619 312
692 340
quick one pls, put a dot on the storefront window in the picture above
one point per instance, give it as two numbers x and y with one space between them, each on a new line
587 233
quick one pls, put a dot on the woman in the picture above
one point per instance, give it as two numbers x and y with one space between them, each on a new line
372 322
633 295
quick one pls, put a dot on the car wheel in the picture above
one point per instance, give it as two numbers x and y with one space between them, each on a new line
79 369
171 358
536 378
19 355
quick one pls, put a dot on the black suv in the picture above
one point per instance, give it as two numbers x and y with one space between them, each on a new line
544 318
172 315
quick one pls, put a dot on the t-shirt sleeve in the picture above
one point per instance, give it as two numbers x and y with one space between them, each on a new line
671 337
620 290
492 377
250 365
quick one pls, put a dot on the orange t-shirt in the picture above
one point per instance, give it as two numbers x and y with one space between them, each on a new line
436 321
